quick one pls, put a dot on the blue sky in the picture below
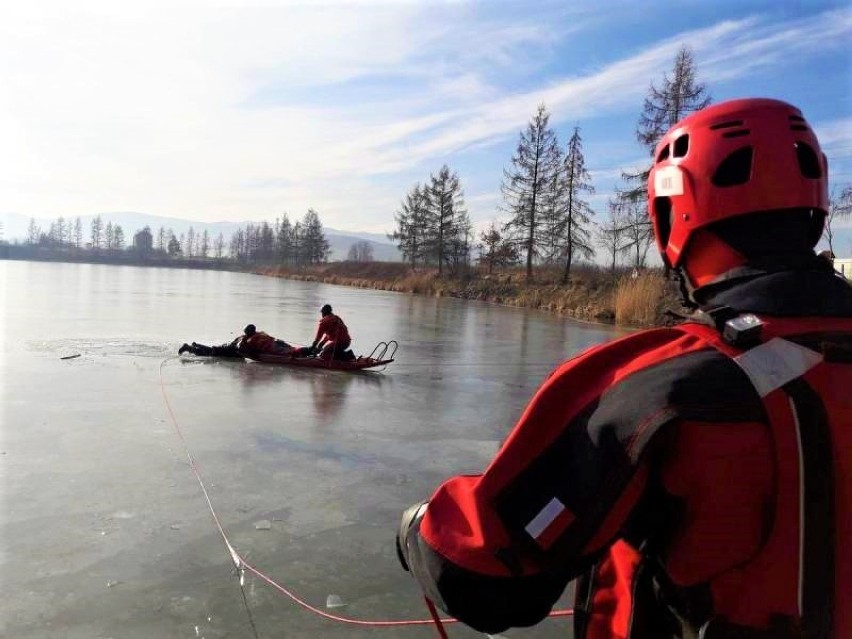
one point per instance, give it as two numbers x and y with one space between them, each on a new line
241 111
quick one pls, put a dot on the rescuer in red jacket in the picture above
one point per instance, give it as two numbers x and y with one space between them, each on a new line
695 480
332 338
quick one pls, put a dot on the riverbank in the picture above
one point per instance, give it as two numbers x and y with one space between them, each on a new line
592 294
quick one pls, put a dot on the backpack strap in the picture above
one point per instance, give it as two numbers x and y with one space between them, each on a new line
805 501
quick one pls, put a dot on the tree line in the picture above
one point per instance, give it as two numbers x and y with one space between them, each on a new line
432 225
299 243
545 190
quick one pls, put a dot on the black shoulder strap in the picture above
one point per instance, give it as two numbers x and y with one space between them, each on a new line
780 365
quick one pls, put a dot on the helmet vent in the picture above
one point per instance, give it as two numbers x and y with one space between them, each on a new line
726 125
808 161
736 134
796 118
664 154
798 127
663 218
734 169
681 146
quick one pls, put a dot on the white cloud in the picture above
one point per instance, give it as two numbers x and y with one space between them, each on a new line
221 111
835 137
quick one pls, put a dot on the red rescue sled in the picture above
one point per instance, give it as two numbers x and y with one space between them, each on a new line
382 355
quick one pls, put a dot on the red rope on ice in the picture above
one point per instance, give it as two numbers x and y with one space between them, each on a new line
242 564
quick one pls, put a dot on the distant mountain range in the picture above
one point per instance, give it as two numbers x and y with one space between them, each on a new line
14 227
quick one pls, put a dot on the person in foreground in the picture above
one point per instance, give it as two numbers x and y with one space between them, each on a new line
250 342
332 338
695 480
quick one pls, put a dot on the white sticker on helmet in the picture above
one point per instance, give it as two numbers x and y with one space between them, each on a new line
668 181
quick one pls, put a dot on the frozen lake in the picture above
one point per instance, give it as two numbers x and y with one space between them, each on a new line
104 531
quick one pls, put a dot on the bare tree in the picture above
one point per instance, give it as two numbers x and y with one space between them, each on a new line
637 230
839 208
360 251
204 249
611 234
534 166
33 232
575 181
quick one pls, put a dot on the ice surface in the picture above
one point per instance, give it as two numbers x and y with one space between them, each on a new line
95 487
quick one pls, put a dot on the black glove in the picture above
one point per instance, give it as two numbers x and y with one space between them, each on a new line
410 517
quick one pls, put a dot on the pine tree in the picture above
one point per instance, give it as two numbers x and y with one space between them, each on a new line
575 181
204 249
412 225
679 95
284 242
63 232
316 248
143 241
190 243
78 233
33 232
173 247
525 186
118 237
266 243
109 236
97 232
219 246
448 221
162 241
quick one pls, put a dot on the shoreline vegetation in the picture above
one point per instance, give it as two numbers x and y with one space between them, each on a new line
593 294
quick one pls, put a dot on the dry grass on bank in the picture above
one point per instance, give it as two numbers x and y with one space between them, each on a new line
591 294
637 301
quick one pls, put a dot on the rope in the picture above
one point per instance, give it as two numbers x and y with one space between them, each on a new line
242 565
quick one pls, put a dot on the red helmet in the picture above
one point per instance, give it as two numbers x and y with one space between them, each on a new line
729 159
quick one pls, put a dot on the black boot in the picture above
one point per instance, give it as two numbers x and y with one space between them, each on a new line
184 348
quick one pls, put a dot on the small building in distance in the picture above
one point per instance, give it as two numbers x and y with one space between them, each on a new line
843 265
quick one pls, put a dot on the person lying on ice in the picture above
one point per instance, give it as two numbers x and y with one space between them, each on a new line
695 480
251 341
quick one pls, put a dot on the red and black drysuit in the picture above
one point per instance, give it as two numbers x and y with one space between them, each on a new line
333 332
685 482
